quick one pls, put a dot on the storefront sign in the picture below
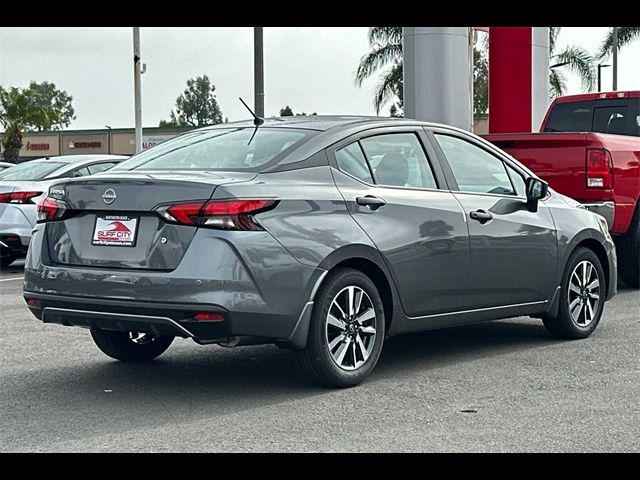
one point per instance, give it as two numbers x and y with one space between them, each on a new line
37 146
85 144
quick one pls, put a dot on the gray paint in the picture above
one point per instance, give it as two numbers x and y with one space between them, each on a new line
442 267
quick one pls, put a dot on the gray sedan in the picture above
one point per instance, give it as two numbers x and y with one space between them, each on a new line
324 235
22 185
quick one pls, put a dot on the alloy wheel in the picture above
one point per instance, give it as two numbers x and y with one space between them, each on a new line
584 294
351 328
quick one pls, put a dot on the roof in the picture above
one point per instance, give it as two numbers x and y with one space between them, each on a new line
598 96
315 122
79 158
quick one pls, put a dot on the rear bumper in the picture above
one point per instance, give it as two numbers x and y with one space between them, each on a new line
161 319
606 209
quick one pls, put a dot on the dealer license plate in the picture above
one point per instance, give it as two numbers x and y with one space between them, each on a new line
115 231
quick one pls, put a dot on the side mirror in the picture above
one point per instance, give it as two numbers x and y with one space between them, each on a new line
536 190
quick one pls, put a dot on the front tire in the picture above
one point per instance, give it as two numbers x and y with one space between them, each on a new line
346 332
130 346
582 297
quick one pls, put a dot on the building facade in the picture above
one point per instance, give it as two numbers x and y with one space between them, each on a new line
116 141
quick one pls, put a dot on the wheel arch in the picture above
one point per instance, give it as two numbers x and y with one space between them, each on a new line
369 261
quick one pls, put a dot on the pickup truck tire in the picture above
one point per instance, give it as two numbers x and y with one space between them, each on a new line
628 246
129 346
573 304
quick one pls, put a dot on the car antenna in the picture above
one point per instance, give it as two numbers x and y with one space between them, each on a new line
257 121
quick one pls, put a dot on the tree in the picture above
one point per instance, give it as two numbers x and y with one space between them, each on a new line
38 107
480 82
575 59
286 112
57 102
197 106
386 49
626 35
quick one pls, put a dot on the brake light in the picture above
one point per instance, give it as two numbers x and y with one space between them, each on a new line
18 197
604 96
208 317
599 169
220 214
50 209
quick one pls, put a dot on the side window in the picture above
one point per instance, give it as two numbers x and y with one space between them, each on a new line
517 181
475 169
81 172
398 160
351 160
100 167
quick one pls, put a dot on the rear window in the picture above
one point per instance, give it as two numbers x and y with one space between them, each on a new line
616 116
228 149
30 171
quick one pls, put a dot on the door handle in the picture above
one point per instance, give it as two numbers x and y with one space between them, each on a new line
374 203
481 216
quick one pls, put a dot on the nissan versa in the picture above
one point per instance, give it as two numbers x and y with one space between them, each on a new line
324 235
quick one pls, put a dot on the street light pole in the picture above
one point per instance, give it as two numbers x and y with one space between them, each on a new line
258 72
600 67
136 88
615 58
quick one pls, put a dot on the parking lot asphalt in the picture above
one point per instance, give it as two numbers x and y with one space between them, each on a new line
499 386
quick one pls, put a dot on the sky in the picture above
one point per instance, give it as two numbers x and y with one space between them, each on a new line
309 68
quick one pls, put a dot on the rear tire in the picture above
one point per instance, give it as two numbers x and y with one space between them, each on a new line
581 302
628 246
130 346
344 342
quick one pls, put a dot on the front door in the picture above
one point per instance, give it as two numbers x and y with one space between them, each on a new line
391 191
512 251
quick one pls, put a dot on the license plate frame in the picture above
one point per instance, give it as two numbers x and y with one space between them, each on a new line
115 231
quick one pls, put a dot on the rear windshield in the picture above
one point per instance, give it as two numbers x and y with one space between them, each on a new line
616 116
30 171
219 149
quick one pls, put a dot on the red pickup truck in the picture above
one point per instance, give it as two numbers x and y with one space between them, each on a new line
589 150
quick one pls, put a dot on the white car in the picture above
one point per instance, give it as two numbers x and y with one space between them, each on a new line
22 185
5 165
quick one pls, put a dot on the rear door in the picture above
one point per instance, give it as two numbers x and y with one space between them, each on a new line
394 193
512 252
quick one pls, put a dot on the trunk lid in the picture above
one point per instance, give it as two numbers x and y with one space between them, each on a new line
112 223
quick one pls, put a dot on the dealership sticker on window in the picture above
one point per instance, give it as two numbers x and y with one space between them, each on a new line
115 231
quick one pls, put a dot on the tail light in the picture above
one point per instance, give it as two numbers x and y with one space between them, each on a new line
19 197
599 169
50 209
220 214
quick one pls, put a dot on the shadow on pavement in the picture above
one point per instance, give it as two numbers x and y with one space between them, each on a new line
201 384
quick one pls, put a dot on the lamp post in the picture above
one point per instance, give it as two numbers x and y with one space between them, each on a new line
108 127
600 67
258 71
137 71
615 58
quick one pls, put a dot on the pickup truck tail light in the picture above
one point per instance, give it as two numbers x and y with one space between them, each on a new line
599 168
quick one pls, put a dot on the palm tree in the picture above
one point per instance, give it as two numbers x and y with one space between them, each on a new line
386 48
575 59
626 35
